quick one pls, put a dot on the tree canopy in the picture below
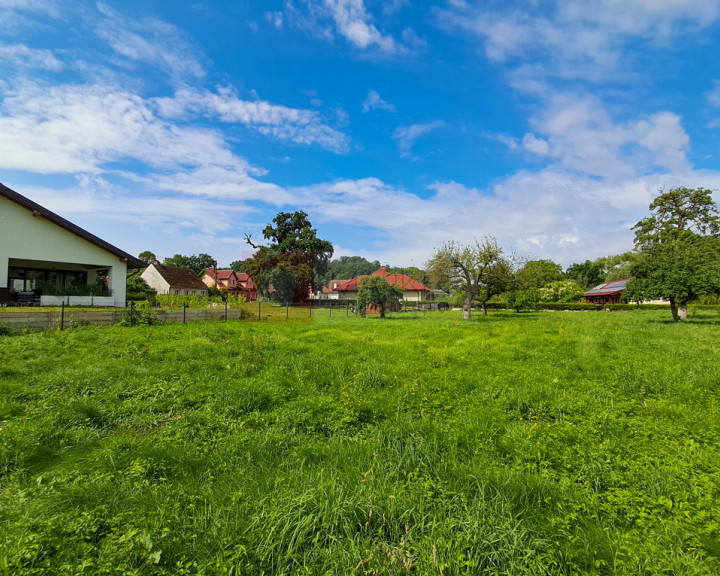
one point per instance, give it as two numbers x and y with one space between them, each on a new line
147 257
676 212
293 248
538 273
587 274
679 247
473 268
197 263
376 292
347 267
237 265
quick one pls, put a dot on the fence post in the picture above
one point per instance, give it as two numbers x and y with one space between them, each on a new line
132 307
287 310
225 310
330 301
347 310
62 316
185 305
311 303
259 309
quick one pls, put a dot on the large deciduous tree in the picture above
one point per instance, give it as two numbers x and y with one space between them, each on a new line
587 274
294 248
376 292
197 263
147 257
679 247
538 273
478 269
347 267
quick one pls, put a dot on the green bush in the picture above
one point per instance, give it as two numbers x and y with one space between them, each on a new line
637 306
568 306
177 301
6 330
140 315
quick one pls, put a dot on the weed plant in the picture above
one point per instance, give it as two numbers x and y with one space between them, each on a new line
515 444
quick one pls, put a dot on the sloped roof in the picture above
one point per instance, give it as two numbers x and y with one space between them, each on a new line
220 274
402 280
39 210
180 277
608 288
331 288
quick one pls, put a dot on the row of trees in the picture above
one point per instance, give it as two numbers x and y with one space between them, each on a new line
676 258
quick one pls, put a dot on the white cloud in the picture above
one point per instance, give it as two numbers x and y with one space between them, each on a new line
508 141
374 102
150 41
576 39
549 213
407 135
219 182
579 132
275 19
353 22
281 122
713 95
68 129
536 145
22 56
349 19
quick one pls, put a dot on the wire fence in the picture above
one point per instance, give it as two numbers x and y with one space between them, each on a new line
63 317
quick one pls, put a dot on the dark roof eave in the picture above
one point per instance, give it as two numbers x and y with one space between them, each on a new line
34 207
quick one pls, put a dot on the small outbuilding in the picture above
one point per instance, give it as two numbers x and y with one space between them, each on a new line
174 281
44 256
606 293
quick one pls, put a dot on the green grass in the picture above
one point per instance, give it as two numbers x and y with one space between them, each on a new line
538 443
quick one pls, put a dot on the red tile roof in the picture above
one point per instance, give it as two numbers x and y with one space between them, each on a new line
401 280
223 275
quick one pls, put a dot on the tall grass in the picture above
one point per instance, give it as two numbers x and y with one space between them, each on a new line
539 443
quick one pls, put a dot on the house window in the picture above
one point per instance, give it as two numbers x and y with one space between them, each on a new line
26 279
177 292
186 292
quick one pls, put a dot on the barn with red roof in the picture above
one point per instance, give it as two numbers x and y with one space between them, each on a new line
606 293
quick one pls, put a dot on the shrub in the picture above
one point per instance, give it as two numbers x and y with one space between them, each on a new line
177 301
140 315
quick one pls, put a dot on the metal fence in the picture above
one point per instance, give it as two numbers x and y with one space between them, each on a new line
69 317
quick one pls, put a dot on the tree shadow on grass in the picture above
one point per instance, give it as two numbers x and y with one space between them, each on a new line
702 318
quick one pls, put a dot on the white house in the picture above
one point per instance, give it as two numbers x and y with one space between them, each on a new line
40 250
171 280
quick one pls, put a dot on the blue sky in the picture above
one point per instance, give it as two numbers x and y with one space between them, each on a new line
178 127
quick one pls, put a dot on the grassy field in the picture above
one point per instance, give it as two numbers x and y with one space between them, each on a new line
539 443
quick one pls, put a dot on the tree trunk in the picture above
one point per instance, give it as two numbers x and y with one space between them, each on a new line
682 311
382 311
484 309
674 310
467 306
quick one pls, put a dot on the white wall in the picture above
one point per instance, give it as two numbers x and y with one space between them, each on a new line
155 280
27 237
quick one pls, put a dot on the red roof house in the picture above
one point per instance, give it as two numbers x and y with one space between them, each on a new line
412 289
236 283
